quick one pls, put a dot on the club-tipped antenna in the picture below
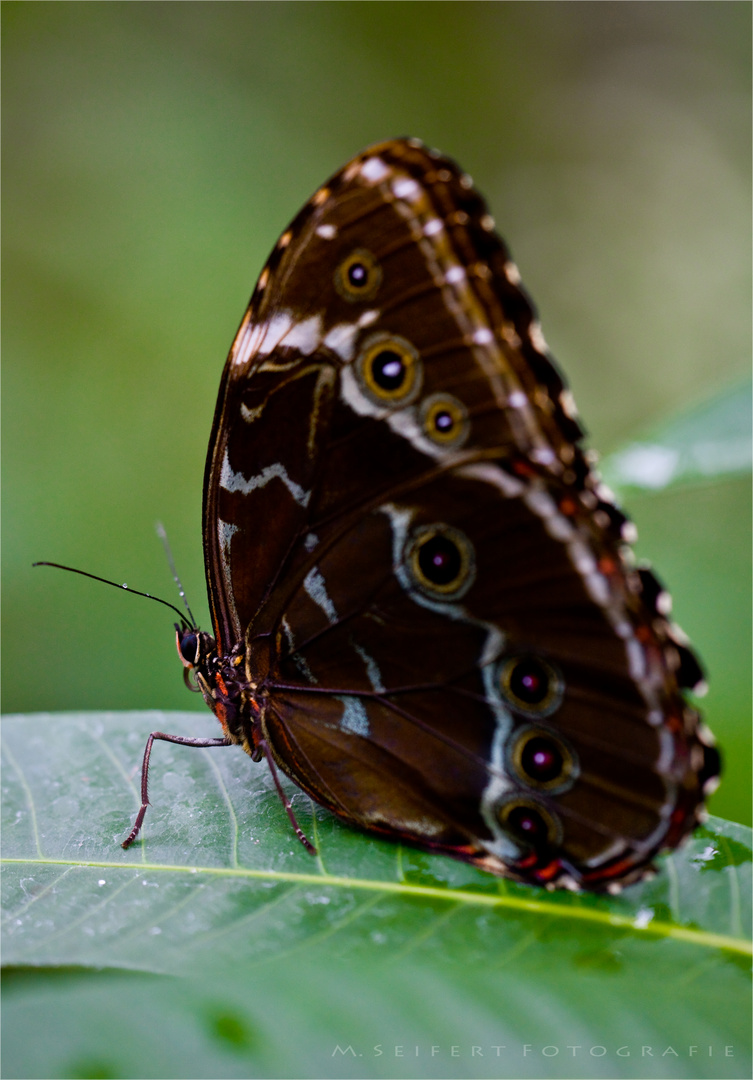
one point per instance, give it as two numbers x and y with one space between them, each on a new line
160 528
116 585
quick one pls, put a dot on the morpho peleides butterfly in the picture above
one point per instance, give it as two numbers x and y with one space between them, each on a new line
424 605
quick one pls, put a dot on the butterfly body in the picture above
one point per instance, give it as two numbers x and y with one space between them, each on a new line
423 601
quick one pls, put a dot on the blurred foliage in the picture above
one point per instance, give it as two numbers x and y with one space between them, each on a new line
153 154
709 442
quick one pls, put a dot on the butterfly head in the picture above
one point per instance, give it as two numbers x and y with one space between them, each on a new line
198 654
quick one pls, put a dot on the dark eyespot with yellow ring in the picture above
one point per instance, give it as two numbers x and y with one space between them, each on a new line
358 276
389 369
441 561
444 420
529 823
542 760
530 685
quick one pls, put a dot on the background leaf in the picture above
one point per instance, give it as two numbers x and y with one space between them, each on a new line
714 440
686 482
370 945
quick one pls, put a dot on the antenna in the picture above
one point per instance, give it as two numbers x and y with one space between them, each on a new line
136 592
160 528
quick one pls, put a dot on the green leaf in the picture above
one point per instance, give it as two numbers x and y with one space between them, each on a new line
711 441
260 960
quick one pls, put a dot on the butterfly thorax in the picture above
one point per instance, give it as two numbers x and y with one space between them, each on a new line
224 683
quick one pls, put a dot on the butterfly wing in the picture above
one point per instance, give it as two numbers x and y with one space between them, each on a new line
435 268
442 632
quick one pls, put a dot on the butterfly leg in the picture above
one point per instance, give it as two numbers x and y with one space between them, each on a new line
145 772
262 745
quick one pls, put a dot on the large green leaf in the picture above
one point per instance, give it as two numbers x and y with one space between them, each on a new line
281 958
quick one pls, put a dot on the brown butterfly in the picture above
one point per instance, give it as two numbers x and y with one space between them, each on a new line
424 605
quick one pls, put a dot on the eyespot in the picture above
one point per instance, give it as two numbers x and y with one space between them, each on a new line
444 420
530 823
358 276
389 369
441 561
530 685
542 760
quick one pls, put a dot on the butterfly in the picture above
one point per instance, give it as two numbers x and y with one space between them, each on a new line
424 604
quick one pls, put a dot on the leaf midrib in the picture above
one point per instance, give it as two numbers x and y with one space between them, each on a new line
656 928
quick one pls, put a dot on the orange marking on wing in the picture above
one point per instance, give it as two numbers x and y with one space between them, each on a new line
547 872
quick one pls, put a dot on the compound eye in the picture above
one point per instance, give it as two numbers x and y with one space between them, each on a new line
441 561
358 276
530 685
188 646
542 760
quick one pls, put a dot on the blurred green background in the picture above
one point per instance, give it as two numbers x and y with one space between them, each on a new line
153 152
